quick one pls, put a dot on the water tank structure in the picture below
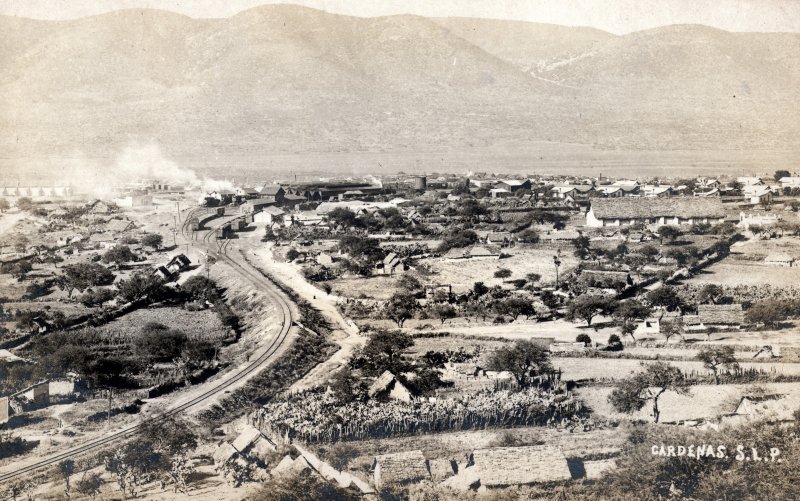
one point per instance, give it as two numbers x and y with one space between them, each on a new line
420 183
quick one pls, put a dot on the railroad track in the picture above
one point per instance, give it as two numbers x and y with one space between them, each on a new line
251 368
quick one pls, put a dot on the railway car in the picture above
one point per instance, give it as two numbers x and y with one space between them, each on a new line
224 231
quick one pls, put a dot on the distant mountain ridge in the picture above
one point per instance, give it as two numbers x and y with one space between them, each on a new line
283 79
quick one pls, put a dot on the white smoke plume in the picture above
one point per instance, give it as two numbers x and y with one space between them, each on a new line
135 164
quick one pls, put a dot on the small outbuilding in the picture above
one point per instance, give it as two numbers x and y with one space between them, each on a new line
387 386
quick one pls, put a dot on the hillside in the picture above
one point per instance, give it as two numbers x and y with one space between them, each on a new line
287 80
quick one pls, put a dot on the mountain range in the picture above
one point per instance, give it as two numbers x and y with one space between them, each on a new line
283 80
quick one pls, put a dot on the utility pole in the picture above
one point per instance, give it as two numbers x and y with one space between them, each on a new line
557 263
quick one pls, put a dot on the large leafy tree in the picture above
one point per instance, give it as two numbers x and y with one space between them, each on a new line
81 276
588 306
400 307
119 255
633 393
384 351
524 359
669 232
718 357
142 286
665 297
627 313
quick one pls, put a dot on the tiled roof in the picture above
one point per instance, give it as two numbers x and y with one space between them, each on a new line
501 466
402 467
725 314
637 208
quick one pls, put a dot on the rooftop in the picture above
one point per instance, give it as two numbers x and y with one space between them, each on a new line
637 208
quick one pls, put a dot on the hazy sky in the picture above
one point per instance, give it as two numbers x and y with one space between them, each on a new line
617 16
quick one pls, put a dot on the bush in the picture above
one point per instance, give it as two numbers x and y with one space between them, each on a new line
292 254
585 339
614 343
502 273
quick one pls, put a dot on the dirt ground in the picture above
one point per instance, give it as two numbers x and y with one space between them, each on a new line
462 273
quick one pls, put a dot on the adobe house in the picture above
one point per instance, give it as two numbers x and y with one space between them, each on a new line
718 316
658 211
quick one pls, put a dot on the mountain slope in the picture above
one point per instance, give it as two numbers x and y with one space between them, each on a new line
290 80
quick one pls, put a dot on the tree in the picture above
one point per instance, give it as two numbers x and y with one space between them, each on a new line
716 357
514 306
409 283
132 464
479 289
142 286
533 277
66 468
81 276
4 205
672 328
529 236
153 240
614 343
457 238
668 232
627 312
582 247
21 268
173 440
344 217
524 359
632 393
292 254
361 248
384 351
780 174
588 306
768 313
584 338
400 307
346 386
502 273
665 297
89 485
158 343
25 203
710 293
200 288
443 312
118 255
471 208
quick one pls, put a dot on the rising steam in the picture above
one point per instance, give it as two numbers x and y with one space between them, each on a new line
133 165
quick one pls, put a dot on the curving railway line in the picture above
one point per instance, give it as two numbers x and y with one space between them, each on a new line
254 366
